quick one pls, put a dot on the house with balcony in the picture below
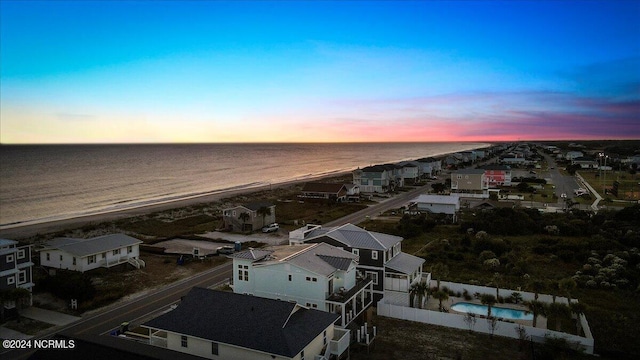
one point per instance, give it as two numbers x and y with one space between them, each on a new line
380 256
318 276
326 192
15 269
373 179
410 171
469 181
429 166
249 217
224 325
87 254
437 204
497 175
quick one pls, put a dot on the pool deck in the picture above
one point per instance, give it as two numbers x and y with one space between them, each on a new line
433 304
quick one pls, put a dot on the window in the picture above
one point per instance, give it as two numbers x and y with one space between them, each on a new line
11 280
374 277
104 255
129 249
302 355
214 348
60 257
309 278
459 177
243 272
324 338
374 255
22 277
91 259
290 277
10 258
356 252
74 260
116 252
183 341
48 257
21 254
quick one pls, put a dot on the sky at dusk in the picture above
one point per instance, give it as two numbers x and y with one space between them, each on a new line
318 71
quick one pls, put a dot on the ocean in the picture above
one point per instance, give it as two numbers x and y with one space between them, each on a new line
40 183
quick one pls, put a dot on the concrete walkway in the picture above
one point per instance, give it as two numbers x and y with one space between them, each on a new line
8 334
48 316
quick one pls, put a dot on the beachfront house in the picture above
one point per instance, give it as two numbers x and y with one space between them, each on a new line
87 254
225 325
326 192
380 256
373 179
249 217
410 171
437 204
318 276
469 180
15 270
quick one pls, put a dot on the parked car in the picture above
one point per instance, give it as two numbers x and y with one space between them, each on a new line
225 250
270 228
563 195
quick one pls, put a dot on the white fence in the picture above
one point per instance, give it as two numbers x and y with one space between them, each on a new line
506 329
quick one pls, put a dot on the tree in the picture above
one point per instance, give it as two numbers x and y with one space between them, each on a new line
264 212
421 290
558 310
470 319
516 297
567 285
441 296
244 217
536 308
438 188
497 279
440 270
536 286
489 300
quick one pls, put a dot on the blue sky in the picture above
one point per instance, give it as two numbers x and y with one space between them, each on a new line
287 71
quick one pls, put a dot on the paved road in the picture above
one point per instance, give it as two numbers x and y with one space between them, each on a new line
109 319
564 184
392 203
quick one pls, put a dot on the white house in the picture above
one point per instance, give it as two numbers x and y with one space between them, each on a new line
318 276
570 155
438 204
224 325
88 254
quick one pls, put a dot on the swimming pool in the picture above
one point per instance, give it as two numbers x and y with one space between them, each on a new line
495 311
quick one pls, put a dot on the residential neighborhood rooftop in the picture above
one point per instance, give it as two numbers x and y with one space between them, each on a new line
272 326
84 247
356 237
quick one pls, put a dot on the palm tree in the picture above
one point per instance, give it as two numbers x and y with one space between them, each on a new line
441 296
537 308
489 300
264 211
497 278
558 310
244 217
516 297
440 270
578 309
536 286
419 290
567 285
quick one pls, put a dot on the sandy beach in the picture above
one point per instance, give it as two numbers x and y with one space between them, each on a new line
19 231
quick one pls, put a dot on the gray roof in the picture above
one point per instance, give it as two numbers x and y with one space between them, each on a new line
356 237
404 263
322 259
437 199
271 326
252 254
7 242
85 247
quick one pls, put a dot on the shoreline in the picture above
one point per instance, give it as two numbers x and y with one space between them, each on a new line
20 231
30 229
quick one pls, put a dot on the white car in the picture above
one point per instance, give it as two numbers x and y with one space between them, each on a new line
563 195
270 228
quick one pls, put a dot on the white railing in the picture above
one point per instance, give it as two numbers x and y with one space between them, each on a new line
340 342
